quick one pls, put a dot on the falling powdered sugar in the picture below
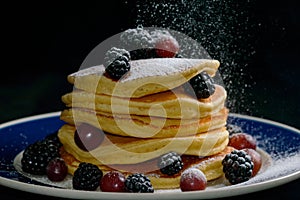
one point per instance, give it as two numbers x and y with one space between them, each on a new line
227 29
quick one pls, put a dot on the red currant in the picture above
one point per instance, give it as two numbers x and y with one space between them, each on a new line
256 159
192 179
166 47
88 137
113 181
241 141
57 170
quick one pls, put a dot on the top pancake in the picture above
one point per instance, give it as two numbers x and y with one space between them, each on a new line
146 76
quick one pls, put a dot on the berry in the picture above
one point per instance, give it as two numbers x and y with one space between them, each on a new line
237 166
138 183
88 137
115 53
241 141
144 44
166 47
192 179
256 159
113 181
37 156
232 129
118 68
53 139
137 38
57 169
87 177
143 53
203 85
170 163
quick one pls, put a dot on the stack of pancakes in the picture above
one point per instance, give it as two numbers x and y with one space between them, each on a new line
147 113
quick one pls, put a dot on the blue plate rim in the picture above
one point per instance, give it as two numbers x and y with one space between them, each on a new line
210 194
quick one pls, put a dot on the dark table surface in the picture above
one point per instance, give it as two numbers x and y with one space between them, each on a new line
45 43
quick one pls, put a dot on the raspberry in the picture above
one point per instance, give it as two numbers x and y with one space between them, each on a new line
192 179
166 47
57 170
87 177
242 140
203 85
138 183
256 159
237 166
170 163
113 181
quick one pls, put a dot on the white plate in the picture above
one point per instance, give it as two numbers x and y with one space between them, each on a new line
278 143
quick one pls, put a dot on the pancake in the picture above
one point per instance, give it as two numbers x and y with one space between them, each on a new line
211 166
146 76
145 114
174 103
145 126
130 150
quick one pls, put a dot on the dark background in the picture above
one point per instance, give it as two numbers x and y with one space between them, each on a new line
44 42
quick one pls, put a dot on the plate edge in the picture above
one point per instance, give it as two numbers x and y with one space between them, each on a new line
267 121
29 118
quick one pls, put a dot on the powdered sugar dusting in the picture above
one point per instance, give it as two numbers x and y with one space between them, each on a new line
281 145
279 169
190 173
160 67
227 29
95 70
149 68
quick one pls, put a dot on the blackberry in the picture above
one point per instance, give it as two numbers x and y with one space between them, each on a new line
37 156
237 166
166 45
137 38
53 139
113 54
87 177
203 85
138 183
232 129
118 67
140 42
170 163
